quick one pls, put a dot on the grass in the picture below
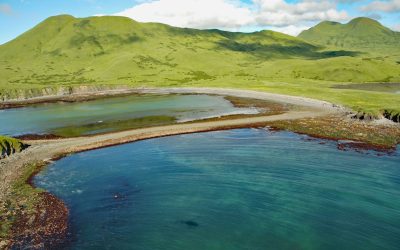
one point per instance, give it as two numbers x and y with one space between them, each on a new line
378 87
64 53
377 137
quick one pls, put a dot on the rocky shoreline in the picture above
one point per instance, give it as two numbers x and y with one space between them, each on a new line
47 228
44 224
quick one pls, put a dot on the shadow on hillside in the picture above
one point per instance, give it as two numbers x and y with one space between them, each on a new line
277 51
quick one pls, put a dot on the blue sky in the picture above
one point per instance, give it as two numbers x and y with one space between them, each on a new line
290 16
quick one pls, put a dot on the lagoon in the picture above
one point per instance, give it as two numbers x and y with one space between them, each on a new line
236 189
113 114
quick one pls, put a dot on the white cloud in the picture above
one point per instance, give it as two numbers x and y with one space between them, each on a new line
291 29
191 13
280 13
232 15
384 6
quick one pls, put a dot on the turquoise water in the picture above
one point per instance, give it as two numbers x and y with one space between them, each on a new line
237 189
90 117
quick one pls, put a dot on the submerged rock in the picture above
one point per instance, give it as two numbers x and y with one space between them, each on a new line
190 223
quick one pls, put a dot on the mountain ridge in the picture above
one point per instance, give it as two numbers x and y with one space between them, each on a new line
121 40
361 33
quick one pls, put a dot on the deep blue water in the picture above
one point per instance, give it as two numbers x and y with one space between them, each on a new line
238 189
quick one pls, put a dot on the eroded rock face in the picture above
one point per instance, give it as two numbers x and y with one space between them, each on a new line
395 117
363 116
390 115
9 146
23 94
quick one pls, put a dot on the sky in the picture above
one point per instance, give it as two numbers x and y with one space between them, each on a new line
287 16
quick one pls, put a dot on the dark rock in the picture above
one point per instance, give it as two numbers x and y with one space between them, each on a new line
190 223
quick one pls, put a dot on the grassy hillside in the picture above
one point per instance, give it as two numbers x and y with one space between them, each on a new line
65 52
10 146
360 33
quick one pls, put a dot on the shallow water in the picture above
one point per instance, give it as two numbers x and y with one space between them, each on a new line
111 114
237 189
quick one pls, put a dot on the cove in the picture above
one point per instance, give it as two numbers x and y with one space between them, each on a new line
235 189
113 114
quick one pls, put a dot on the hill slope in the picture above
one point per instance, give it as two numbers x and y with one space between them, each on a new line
68 50
359 33
64 52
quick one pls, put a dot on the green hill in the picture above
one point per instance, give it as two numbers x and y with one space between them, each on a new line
63 53
360 33
68 50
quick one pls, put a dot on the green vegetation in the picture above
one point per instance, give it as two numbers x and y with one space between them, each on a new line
112 126
63 53
21 200
371 136
379 87
10 146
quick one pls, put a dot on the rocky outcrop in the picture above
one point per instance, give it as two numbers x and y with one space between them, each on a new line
9 146
364 116
392 115
14 95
